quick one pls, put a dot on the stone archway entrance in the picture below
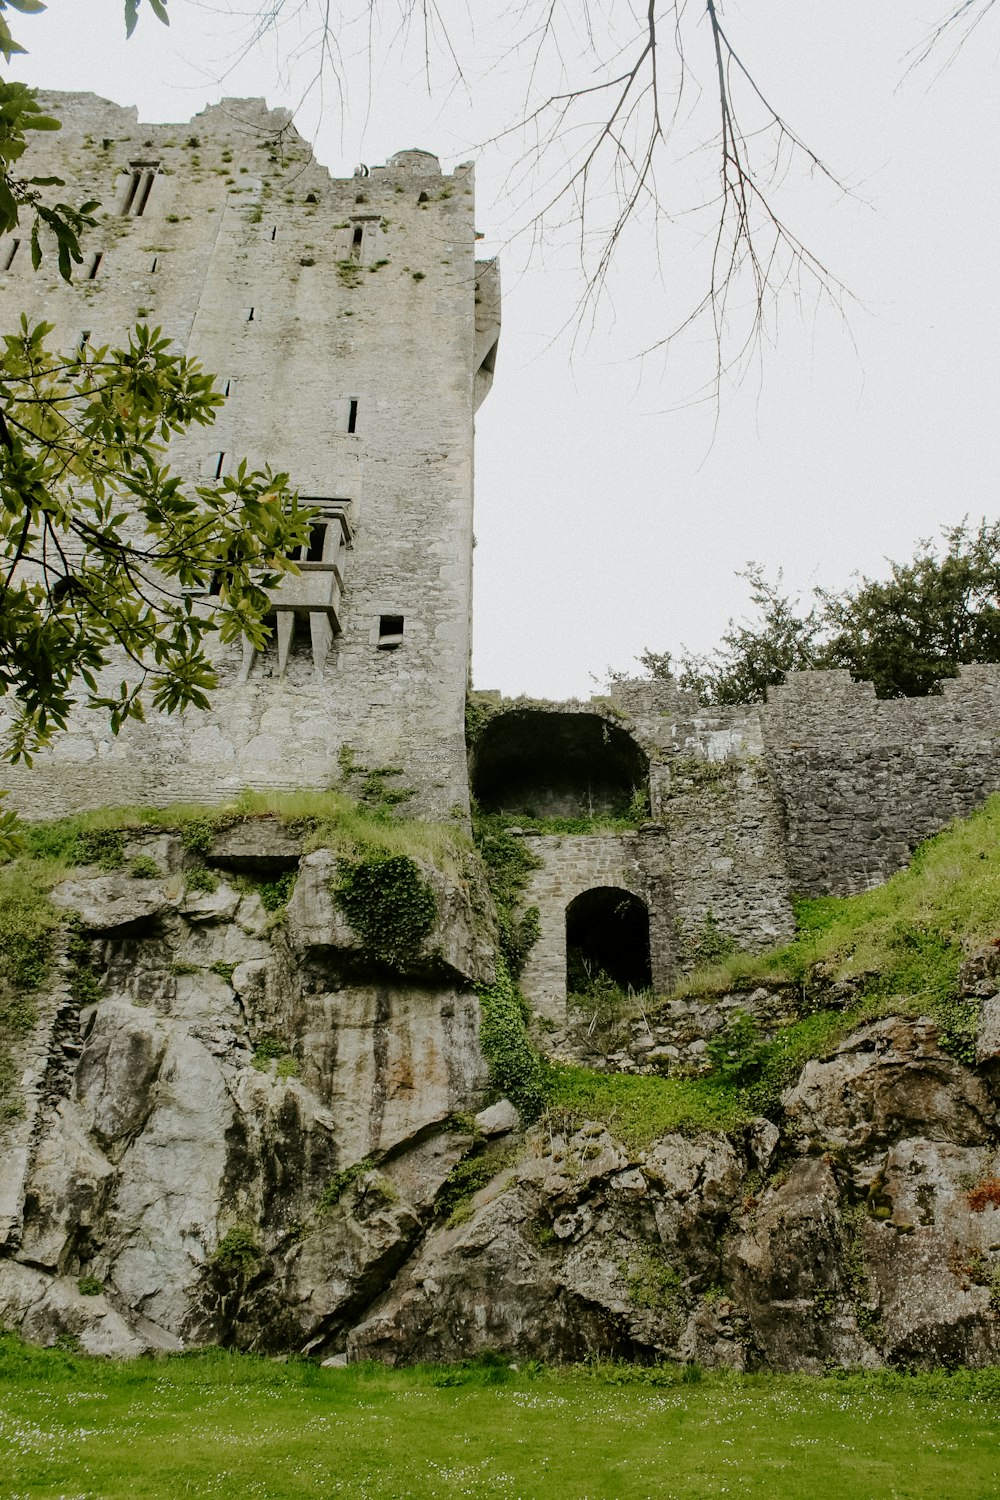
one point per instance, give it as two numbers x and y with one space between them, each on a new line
607 933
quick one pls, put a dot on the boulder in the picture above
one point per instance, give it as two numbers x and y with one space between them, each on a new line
459 945
112 903
988 1031
886 1081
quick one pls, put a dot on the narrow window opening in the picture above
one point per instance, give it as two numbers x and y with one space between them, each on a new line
356 239
274 232
226 389
153 266
147 188
84 340
130 195
421 197
352 416
250 317
317 543
95 265
10 258
220 460
390 632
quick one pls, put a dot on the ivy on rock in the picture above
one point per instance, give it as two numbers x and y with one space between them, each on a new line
388 903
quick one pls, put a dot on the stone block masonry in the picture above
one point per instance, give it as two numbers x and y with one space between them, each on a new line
355 333
823 790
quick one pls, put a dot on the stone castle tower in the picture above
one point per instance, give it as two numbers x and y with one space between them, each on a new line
354 334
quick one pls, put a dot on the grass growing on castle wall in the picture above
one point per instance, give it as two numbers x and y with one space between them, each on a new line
901 944
225 1424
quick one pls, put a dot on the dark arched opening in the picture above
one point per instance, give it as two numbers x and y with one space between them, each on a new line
544 764
607 934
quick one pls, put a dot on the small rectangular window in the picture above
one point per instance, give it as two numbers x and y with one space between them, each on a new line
250 315
352 415
390 632
153 266
356 239
274 232
15 246
95 265
84 340
219 461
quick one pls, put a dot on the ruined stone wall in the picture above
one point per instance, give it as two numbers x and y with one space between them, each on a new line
245 254
862 781
573 863
822 790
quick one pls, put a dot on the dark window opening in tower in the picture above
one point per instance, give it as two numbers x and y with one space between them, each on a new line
352 416
390 632
607 938
356 240
313 552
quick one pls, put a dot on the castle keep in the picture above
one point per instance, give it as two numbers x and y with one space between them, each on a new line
355 335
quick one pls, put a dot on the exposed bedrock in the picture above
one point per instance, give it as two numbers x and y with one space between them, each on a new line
241 1130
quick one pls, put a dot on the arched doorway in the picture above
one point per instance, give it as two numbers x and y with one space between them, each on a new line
607 934
541 763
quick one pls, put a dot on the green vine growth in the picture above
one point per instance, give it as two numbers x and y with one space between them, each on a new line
388 903
516 1070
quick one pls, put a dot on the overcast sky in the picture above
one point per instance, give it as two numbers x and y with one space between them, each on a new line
614 508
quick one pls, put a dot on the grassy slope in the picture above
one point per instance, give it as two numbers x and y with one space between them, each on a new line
899 946
219 1424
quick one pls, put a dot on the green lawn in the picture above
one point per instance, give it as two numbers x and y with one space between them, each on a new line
234 1426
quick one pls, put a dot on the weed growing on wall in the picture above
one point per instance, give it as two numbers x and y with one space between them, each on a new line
339 1184
516 1070
509 864
388 904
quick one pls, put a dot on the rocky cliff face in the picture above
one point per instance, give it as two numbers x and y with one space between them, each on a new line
247 1132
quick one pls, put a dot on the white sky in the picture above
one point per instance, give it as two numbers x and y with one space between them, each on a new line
612 512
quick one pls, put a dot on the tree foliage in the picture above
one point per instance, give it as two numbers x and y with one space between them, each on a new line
904 633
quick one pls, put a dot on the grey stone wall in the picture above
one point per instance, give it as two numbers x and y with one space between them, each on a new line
574 863
822 790
240 217
862 781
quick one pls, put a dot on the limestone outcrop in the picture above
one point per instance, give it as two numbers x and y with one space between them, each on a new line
240 1129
